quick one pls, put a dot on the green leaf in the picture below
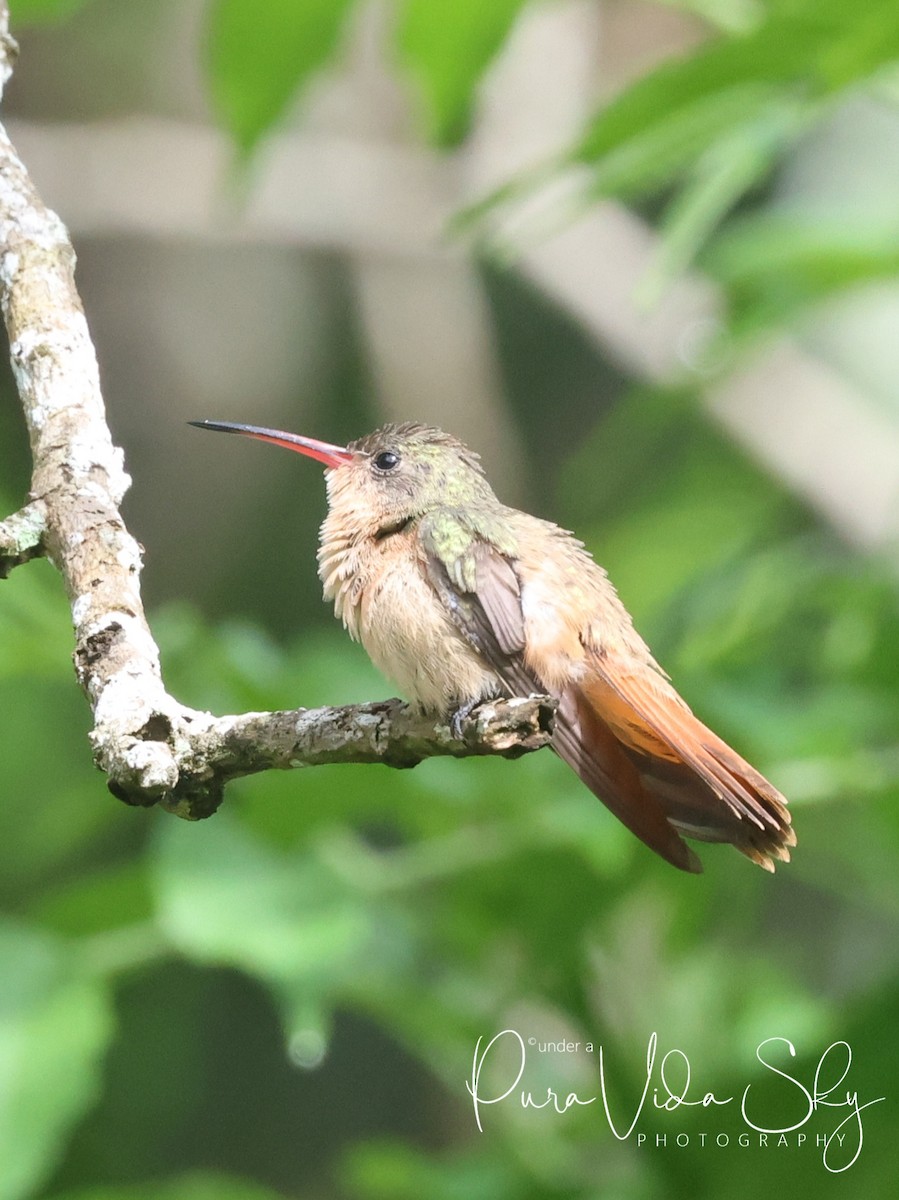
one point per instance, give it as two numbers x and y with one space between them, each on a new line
260 55
651 157
735 163
447 47
825 253
734 16
868 40
776 264
35 12
802 48
803 51
720 117
55 1024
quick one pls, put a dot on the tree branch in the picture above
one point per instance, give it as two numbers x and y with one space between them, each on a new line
152 748
21 537
218 749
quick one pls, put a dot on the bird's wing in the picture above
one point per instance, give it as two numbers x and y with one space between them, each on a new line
481 589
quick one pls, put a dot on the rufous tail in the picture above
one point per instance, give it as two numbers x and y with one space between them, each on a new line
639 748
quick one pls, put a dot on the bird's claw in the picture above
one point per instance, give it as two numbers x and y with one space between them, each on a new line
460 716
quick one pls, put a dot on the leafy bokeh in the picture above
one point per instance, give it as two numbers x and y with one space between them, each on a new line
25 12
285 1000
447 48
695 136
261 54
702 134
446 903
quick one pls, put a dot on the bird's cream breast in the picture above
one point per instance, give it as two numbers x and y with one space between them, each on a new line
386 602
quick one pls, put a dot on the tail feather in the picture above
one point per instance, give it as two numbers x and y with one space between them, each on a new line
584 741
636 744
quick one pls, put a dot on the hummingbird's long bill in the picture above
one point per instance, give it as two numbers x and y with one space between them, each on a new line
331 456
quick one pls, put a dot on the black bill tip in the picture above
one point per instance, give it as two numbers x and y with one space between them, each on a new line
221 426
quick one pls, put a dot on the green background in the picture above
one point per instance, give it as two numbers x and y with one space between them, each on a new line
285 1000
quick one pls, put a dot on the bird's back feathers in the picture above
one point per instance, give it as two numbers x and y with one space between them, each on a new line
620 724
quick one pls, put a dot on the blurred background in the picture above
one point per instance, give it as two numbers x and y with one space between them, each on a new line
645 258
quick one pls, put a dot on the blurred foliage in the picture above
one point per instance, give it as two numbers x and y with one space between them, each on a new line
194 1186
32 12
180 1005
696 138
447 48
450 902
262 56
703 134
259 54
55 1025
776 264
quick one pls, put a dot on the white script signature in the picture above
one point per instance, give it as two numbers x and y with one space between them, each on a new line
822 1095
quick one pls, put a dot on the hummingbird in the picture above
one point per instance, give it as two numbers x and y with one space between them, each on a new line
458 599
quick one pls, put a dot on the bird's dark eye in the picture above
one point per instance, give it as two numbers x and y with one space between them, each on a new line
386 460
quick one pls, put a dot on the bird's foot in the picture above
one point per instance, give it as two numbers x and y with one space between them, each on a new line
461 715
